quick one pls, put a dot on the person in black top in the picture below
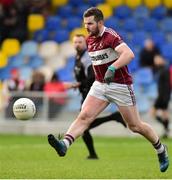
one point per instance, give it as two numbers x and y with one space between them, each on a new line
148 54
160 109
84 74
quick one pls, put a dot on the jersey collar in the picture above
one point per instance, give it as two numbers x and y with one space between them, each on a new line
101 34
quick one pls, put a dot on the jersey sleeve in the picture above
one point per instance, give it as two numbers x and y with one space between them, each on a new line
114 39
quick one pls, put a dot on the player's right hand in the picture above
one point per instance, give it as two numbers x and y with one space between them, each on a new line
109 75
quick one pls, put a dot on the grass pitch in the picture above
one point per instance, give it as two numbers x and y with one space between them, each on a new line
31 157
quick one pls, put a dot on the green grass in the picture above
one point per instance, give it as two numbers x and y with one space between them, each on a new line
31 157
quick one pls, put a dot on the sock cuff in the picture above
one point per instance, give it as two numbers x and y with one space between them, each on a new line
70 138
157 145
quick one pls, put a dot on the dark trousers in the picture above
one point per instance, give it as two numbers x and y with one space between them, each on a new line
116 116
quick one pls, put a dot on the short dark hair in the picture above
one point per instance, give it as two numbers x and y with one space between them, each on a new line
93 11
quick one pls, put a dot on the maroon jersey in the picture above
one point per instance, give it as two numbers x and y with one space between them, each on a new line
102 53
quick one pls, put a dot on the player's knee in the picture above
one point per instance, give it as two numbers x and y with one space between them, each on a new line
134 128
85 118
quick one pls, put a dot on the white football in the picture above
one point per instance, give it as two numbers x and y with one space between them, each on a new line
24 109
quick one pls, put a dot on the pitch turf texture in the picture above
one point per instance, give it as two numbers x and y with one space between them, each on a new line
31 157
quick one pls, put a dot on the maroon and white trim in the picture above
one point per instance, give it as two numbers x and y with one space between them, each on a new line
133 98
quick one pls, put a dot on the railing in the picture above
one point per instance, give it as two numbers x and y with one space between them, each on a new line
48 105
61 119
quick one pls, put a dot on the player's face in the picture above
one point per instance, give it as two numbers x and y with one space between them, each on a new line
79 43
91 25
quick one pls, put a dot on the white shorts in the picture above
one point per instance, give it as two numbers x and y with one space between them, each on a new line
120 94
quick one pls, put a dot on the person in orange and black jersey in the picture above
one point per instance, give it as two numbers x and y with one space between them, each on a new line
160 109
85 75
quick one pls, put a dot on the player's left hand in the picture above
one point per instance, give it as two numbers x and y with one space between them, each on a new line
109 75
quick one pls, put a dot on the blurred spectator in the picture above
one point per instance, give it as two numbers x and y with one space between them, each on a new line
37 84
13 23
1 11
1 16
38 81
22 8
4 96
56 88
39 7
160 109
148 54
15 84
7 3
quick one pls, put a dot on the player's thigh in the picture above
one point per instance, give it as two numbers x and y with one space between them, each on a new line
130 114
93 106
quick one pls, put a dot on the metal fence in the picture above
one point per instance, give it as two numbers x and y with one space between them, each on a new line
52 117
48 106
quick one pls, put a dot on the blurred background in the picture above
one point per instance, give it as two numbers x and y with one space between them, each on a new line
35 44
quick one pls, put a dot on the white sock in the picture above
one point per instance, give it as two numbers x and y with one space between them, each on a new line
66 142
160 149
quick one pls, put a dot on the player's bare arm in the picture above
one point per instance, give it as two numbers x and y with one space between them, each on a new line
70 85
125 56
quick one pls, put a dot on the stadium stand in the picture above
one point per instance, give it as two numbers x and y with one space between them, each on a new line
4 60
106 9
158 37
130 25
126 15
78 31
48 49
16 61
65 11
69 46
35 62
60 35
53 23
150 25
152 4
141 12
35 22
113 22
167 3
57 3
159 12
56 62
133 4
115 4
29 48
81 9
10 47
122 12
25 72
48 46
